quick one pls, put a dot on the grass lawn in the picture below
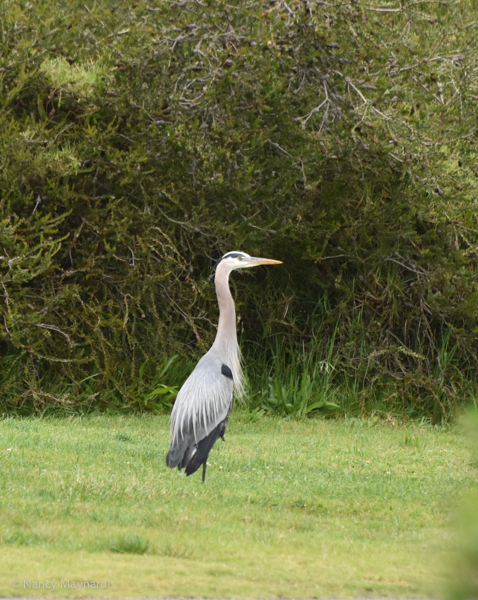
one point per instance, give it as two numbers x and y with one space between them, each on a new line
289 509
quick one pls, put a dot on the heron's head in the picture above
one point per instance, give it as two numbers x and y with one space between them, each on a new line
240 260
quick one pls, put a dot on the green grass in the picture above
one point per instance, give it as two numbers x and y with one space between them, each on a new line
304 509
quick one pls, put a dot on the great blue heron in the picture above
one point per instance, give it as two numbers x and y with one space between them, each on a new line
205 400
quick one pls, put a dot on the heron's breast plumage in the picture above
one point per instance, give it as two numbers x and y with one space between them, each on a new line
204 400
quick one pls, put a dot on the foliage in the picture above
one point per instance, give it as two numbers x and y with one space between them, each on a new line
343 508
140 141
293 383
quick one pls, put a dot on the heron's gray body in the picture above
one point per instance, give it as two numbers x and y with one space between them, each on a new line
205 400
213 398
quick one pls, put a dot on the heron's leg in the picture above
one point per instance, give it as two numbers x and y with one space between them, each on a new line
204 470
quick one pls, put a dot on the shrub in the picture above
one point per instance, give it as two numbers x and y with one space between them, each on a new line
141 141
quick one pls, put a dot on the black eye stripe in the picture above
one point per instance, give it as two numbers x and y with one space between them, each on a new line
234 255
228 255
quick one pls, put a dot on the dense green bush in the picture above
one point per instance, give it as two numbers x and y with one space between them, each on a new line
139 141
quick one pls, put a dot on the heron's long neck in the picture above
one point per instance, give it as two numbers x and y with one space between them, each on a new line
226 331
226 337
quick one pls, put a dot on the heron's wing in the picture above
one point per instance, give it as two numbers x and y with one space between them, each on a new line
202 403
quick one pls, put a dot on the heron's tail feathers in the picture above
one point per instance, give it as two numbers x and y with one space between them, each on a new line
176 452
203 448
191 457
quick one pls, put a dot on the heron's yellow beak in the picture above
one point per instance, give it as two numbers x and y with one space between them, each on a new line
253 261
